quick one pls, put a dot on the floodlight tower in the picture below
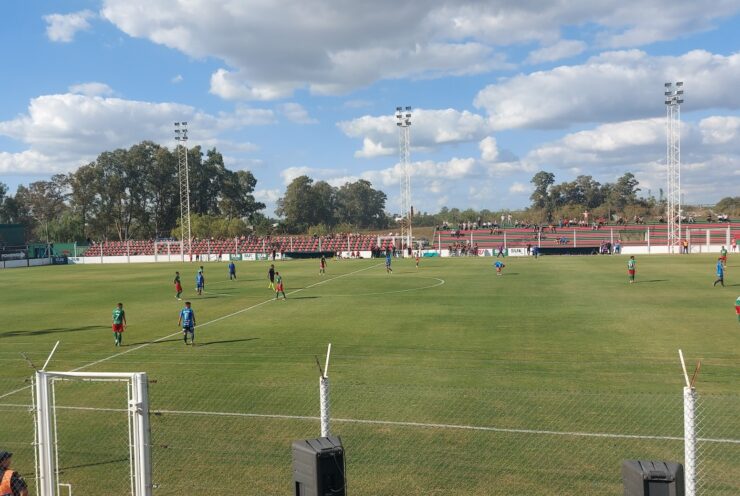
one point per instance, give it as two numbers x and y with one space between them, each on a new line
403 117
181 136
673 101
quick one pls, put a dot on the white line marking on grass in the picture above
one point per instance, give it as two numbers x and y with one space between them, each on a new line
405 424
97 362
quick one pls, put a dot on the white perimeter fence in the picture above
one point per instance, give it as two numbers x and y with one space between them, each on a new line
234 436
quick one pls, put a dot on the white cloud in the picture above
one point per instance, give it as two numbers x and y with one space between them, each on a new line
177 79
349 45
488 149
91 89
64 27
269 196
613 86
429 128
295 112
560 50
62 131
293 172
517 188
719 130
609 150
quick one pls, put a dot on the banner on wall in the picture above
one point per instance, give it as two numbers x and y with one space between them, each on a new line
235 258
517 252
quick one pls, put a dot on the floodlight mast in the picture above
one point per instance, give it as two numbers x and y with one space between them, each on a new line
403 121
673 100
181 136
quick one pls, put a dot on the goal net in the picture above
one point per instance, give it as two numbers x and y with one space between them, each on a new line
92 433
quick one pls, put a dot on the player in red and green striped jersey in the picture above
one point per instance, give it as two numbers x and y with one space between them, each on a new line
737 308
119 323
631 267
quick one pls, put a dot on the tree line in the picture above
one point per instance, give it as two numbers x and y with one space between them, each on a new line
129 194
134 194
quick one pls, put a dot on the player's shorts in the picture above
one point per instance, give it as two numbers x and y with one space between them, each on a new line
737 309
178 288
199 286
724 259
189 329
279 287
631 272
117 327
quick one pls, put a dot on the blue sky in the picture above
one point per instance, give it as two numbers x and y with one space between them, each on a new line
500 90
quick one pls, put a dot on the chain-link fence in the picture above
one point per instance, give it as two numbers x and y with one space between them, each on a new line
235 437
17 426
717 445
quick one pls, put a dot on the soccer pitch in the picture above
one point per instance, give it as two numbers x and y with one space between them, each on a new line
446 379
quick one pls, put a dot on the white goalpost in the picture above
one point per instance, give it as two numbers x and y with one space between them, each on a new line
49 431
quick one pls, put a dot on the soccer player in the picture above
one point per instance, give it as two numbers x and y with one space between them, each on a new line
119 323
737 308
500 251
720 273
723 256
232 270
200 282
631 265
499 267
322 265
187 321
417 259
388 269
271 277
279 286
178 286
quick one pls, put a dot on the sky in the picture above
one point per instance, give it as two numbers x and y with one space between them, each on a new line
499 90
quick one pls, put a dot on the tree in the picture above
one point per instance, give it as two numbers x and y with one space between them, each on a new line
297 205
729 205
624 192
542 182
44 200
163 192
236 199
360 205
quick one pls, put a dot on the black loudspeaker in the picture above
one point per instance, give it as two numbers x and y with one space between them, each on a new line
651 478
318 467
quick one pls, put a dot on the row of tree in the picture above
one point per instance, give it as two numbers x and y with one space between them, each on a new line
318 204
129 194
135 194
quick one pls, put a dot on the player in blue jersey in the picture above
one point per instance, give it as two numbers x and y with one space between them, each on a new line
388 269
187 322
232 270
720 273
499 267
200 282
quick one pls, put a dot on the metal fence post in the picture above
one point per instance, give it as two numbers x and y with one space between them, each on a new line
45 449
324 400
141 449
689 430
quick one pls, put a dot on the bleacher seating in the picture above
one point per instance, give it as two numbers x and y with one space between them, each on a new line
631 234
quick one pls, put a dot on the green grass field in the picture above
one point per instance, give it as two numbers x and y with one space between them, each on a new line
445 379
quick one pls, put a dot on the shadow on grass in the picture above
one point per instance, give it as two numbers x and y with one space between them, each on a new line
304 297
51 330
208 343
652 280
